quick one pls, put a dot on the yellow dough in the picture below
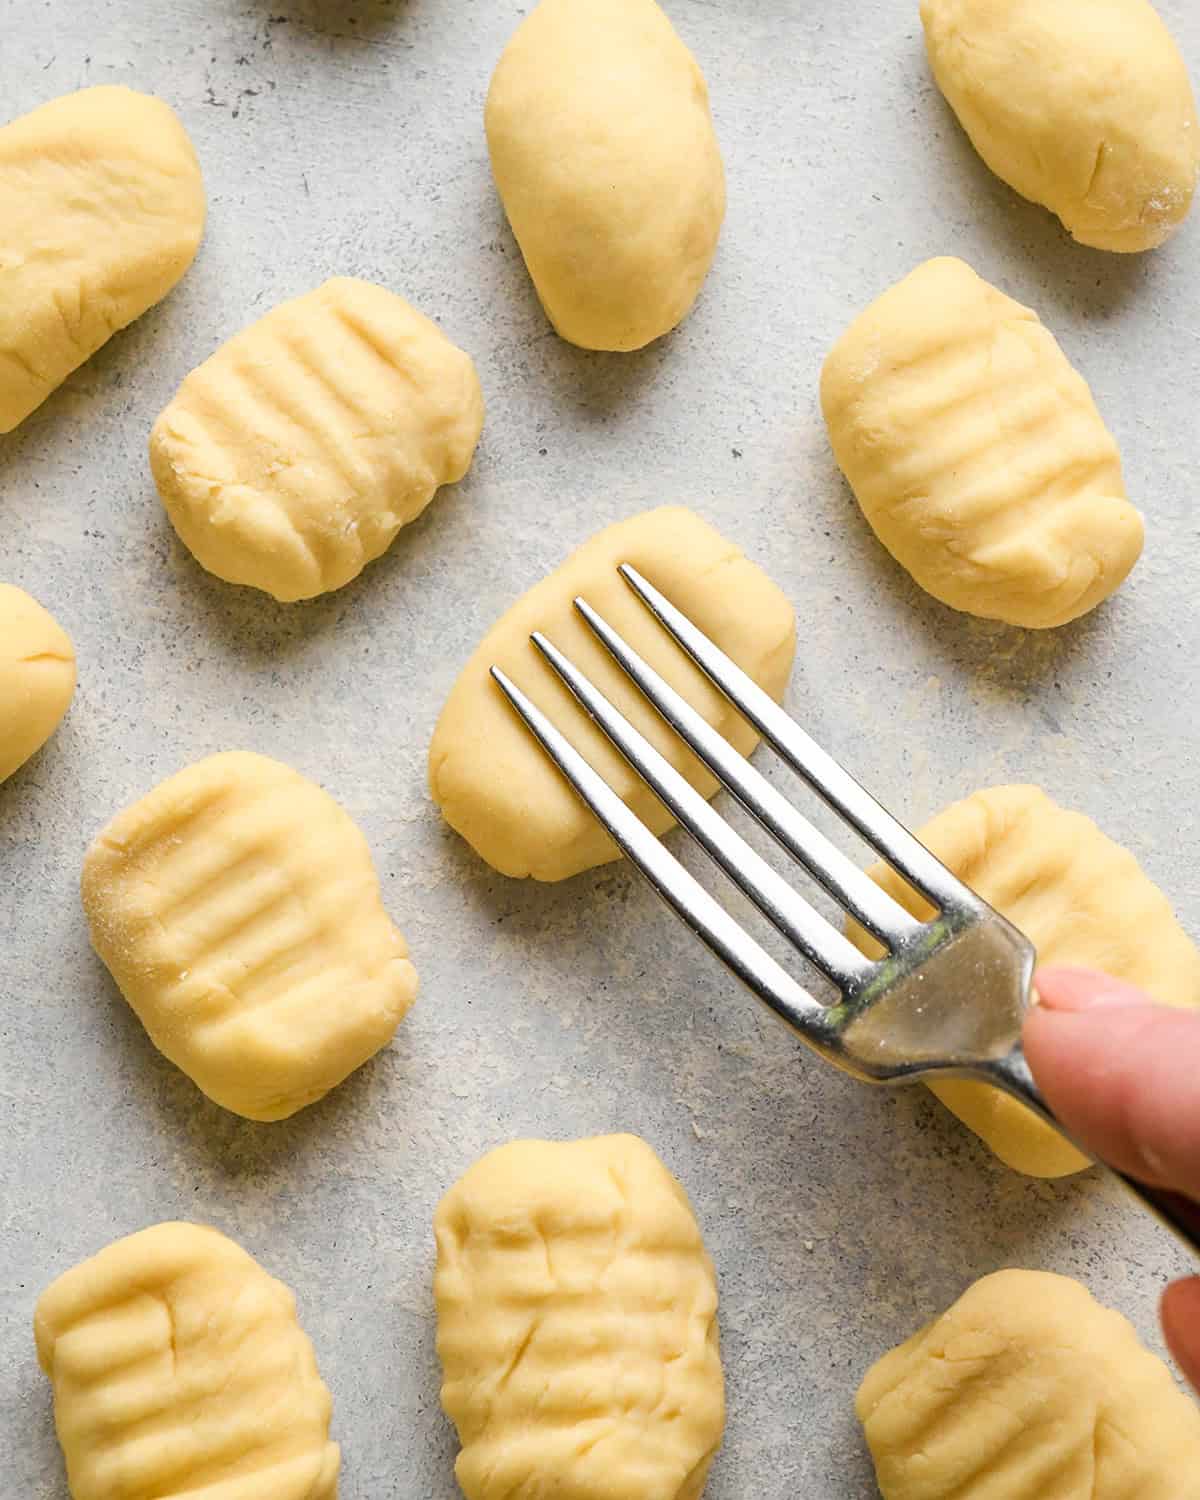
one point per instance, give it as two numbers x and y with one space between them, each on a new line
37 677
1081 900
292 457
604 153
977 453
180 1372
103 208
1028 1389
1087 109
238 909
577 1325
488 775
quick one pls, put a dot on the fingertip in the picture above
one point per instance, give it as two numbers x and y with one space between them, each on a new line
1070 989
1125 1083
1181 1324
1050 1039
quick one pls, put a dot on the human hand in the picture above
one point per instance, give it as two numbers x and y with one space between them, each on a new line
1123 1075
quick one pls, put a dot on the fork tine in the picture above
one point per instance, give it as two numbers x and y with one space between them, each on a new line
840 876
820 942
681 891
826 777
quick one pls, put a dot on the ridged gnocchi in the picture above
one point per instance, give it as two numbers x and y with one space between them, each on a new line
291 457
1025 1389
37 677
1082 900
577 1325
603 149
1088 112
238 910
103 207
180 1371
976 452
488 775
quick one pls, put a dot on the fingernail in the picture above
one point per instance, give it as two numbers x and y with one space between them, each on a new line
1061 989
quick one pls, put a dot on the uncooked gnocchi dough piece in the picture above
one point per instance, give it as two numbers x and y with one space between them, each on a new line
37 677
577 1325
292 457
180 1372
1081 900
1088 112
238 909
603 150
486 772
103 208
977 453
1028 1389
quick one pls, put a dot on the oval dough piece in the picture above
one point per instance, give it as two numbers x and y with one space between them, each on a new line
577 1325
603 150
977 453
488 775
37 677
1082 901
180 1371
1096 121
291 458
103 208
238 909
1028 1389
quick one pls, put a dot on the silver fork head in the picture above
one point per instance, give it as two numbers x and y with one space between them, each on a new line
948 996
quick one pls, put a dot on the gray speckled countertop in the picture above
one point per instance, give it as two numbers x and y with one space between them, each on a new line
347 138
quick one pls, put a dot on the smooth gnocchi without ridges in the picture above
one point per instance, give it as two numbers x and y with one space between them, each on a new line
976 452
1086 109
292 457
1082 900
37 677
577 1325
489 776
102 207
238 909
180 1372
603 149
1028 1389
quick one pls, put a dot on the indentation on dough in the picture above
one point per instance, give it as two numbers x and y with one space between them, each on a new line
1097 166
976 452
239 912
312 436
178 1365
59 658
562 1366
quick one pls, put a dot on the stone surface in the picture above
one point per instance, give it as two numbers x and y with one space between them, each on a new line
347 138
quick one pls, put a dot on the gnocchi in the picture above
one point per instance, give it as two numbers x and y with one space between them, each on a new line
179 1369
292 456
1096 122
238 910
1028 1388
103 207
37 677
488 775
603 150
577 1325
976 452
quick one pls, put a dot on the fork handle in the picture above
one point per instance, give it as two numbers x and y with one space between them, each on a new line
1179 1214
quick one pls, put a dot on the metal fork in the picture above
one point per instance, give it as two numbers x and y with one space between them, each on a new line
949 996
